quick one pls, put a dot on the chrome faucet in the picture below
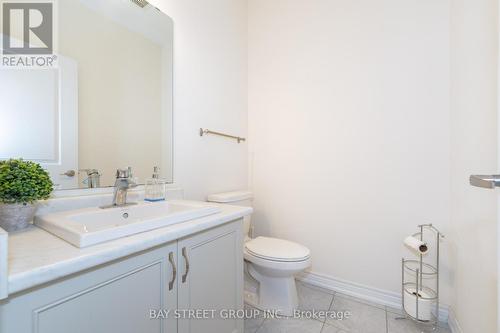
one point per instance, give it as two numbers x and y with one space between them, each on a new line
123 183
93 179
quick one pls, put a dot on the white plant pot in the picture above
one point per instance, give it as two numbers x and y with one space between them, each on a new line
15 217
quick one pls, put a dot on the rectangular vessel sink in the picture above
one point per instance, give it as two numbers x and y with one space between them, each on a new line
89 226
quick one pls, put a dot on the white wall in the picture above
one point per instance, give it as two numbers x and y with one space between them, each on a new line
210 90
474 150
349 129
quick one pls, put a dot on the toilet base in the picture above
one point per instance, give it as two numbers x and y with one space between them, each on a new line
277 294
251 290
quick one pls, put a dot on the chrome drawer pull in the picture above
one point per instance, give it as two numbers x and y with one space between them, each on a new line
184 254
174 270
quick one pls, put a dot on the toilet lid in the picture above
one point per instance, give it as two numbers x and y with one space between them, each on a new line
277 249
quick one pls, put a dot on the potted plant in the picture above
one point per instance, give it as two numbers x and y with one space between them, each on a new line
22 184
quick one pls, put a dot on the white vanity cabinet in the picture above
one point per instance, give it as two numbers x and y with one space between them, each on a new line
211 265
117 297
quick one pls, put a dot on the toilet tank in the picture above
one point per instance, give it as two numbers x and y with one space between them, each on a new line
236 198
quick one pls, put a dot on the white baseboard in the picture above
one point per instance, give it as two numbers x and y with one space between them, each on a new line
453 322
375 295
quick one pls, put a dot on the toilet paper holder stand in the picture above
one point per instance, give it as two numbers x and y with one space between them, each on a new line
420 281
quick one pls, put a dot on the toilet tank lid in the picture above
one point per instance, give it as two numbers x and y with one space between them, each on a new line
230 196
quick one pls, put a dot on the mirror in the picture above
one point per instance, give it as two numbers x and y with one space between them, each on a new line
106 105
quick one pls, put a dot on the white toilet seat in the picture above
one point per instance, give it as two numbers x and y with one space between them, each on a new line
276 264
277 250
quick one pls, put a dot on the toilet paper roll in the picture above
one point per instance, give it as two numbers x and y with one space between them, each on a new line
416 245
425 304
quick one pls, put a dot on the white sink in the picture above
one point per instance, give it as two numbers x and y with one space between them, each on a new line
89 226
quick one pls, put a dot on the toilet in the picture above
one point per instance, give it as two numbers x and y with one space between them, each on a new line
270 263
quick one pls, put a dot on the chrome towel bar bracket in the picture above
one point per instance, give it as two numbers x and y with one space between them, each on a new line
206 131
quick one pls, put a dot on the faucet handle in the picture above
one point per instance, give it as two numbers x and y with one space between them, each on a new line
90 172
121 173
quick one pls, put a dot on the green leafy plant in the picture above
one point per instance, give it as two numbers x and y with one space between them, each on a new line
23 182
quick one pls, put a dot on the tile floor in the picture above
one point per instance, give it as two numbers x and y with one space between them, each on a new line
364 317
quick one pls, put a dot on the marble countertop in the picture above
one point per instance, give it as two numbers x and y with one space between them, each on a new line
36 256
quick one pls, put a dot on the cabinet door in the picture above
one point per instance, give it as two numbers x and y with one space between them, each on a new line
115 297
211 278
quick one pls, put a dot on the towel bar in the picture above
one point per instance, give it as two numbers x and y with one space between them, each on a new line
206 131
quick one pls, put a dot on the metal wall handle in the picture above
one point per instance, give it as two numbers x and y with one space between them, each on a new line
184 254
174 270
485 181
69 173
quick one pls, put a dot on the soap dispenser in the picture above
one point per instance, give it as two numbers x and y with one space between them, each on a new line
155 187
